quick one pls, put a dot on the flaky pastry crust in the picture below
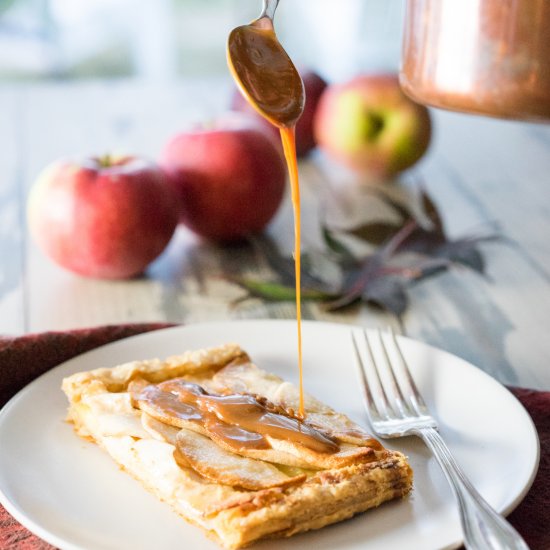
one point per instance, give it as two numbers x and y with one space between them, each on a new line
229 503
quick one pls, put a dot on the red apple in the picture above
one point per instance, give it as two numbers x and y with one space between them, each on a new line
105 218
370 125
305 141
230 179
240 105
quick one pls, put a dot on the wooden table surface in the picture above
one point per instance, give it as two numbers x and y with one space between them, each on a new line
481 172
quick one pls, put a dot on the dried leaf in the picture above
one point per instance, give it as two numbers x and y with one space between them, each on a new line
425 269
424 242
463 252
431 211
335 245
358 280
389 293
375 232
403 212
340 279
355 281
398 240
276 292
283 266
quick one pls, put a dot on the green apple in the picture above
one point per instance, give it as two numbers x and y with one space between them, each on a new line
371 126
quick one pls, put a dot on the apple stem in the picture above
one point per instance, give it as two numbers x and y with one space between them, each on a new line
105 161
376 123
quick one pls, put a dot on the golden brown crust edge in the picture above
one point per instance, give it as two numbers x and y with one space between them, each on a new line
116 379
234 518
328 497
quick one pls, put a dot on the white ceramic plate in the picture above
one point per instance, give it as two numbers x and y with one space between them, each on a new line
71 494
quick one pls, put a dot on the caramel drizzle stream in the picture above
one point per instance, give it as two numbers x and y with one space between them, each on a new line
288 137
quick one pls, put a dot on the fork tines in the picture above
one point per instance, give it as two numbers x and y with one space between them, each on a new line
389 389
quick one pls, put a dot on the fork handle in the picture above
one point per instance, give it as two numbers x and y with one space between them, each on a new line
483 528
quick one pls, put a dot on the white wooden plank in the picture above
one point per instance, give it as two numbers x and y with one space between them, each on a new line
12 302
497 324
504 167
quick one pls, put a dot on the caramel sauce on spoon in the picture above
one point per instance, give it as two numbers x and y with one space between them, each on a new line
269 80
265 73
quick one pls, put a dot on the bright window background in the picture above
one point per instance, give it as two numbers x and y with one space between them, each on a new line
165 39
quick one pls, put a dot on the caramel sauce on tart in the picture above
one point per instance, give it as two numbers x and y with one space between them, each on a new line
241 421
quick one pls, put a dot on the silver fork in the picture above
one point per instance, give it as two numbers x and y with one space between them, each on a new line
395 408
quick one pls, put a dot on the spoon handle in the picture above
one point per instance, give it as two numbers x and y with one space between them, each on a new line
269 9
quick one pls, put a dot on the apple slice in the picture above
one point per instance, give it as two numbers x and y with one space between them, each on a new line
159 430
217 464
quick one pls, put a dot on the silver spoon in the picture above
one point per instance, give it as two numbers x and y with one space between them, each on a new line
263 70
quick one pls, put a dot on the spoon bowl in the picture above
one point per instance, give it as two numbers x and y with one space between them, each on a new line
264 72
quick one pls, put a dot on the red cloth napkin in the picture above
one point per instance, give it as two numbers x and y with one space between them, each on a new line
24 358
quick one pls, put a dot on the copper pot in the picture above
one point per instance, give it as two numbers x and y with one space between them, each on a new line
490 57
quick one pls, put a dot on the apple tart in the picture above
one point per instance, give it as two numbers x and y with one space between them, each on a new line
220 441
